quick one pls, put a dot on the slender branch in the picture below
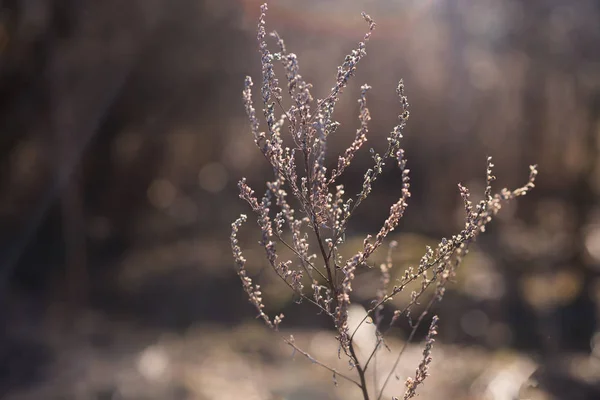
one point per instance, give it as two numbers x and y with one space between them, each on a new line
302 259
309 207
302 295
361 372
388 153
379 340
332 283
410 304
403 285
315 361
467 235
405 346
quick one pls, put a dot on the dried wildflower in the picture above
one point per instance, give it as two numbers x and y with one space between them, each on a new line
253 291
325 209
360 139
423 368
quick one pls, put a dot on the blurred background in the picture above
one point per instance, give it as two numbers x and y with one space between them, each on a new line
123 135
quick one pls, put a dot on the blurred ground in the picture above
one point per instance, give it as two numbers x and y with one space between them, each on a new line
101 359
105 359
123 137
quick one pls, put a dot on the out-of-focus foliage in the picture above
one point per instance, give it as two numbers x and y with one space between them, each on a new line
121 127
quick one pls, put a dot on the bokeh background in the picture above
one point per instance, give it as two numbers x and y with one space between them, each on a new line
122 139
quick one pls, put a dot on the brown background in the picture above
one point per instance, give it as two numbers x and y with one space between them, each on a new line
123 136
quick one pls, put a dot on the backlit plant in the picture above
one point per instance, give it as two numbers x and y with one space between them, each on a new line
322 277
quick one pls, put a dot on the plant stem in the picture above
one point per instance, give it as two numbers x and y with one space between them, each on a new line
361 372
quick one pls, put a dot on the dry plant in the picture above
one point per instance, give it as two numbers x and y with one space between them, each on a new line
321 218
